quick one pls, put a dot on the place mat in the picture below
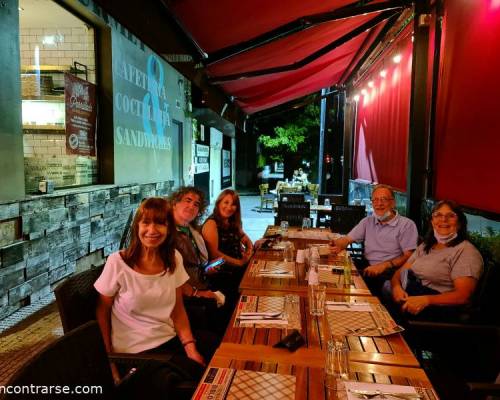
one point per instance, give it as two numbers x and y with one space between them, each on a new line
231 384
350 386
343 322
273 269
268 304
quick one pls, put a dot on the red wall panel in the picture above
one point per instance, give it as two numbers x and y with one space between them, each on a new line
382 123
468 113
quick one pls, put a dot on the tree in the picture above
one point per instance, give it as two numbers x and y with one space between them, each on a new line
295 139
297 131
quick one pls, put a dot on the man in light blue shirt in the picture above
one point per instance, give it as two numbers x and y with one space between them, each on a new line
389 238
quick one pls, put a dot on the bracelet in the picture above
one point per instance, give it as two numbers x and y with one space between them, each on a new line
194 292
188 342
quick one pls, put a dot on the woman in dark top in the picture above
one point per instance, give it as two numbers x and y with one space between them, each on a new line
223 232
224 237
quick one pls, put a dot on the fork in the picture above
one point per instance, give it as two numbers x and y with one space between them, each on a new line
364 329
365 394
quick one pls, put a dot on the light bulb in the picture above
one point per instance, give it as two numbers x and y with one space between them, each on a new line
397 58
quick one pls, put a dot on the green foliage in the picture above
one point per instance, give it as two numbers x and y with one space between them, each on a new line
293 134
488 244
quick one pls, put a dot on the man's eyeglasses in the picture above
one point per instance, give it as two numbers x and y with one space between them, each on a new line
438 215
382 199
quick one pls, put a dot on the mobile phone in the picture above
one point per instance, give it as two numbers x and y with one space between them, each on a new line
214 266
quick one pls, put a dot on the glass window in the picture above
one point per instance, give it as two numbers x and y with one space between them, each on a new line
58 79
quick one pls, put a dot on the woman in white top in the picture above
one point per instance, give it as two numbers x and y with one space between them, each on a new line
140 305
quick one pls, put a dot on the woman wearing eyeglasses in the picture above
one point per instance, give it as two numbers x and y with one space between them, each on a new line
443 271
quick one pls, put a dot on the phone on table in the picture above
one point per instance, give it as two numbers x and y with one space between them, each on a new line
214 266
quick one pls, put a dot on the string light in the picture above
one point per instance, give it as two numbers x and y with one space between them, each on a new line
356 97
371 84
383 73
397 58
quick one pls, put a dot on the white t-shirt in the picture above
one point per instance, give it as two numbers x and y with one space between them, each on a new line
140 315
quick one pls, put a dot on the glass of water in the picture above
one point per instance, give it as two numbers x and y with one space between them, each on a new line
306 223
284 228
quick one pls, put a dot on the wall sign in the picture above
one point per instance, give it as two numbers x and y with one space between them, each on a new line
201 159
226 168
81 114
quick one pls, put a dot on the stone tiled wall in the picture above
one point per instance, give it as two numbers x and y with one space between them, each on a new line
46 238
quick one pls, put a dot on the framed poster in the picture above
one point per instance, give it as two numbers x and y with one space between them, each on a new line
81 115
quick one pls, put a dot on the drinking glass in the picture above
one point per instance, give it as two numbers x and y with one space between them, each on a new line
288 251
317 295
327 202
284 228
337 362
306 223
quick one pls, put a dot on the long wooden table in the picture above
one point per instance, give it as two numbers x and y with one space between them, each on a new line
391 350
308 368
298 283
385 359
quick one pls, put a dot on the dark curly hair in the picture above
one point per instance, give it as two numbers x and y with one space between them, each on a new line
159 210
430 240
176 196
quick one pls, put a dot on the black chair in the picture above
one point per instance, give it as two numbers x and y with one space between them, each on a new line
323 218
462 361
79 359
345 217
292 197
292 212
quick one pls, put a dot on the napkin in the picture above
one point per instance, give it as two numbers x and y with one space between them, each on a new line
220 298
372 387
300 256
342 306
277 321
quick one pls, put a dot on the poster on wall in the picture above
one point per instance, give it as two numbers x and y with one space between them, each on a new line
81 115
201 159
226 168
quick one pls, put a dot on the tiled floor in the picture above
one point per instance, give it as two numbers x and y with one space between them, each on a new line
21 341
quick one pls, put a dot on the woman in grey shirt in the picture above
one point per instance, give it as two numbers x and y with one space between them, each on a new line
443 270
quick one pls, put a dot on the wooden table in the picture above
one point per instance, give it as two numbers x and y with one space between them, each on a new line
298 283
307 365
390 350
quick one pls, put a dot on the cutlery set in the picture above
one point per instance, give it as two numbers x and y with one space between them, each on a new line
378 394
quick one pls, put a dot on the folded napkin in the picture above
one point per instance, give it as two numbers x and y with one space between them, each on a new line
276 274
220 298
346 306
371 388
269 321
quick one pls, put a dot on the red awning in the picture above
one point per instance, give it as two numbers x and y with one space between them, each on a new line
274 71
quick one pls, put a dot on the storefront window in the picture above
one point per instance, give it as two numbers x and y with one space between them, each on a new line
58 96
